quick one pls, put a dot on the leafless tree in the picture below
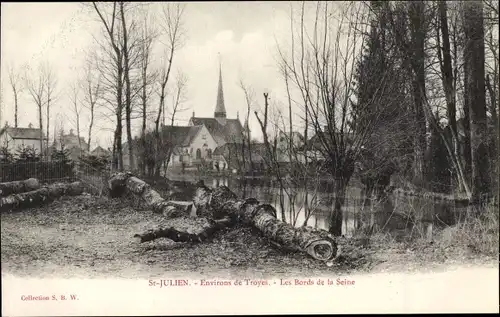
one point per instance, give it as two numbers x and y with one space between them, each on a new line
15 82
92 92
474 59
172 37
149 35
110 66
35 83
249 100
320 66
178 99
77 108
51 93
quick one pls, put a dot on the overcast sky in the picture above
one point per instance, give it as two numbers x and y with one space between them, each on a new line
243 32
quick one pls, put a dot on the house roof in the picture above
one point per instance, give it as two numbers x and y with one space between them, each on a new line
222 130
232 152
25 133
182 136
100 151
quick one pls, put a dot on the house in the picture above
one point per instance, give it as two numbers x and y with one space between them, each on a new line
190 145
74 144
222 129
99 151
283 145
236 156
15 138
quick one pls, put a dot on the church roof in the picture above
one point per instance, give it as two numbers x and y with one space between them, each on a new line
25 133
223 131
220 108
182 135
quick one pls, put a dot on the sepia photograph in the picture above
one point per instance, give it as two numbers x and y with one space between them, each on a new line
339 152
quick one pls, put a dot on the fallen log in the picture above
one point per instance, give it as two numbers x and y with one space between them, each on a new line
176 235
39 196
222 202
121 182
16 187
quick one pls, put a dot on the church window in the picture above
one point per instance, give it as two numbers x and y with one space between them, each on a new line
198 154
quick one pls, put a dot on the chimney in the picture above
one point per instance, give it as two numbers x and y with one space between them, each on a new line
193 114
30 126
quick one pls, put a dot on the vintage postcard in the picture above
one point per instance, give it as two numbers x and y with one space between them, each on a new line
179 158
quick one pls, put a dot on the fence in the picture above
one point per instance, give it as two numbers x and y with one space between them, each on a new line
44 171
94 179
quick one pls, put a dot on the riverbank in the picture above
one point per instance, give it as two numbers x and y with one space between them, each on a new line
92 237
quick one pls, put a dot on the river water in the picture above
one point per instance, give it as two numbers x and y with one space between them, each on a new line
399 215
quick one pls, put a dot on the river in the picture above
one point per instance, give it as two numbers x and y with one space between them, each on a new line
401 216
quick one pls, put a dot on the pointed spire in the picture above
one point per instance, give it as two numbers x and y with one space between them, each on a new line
220 109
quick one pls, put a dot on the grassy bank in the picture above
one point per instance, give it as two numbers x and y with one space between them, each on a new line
91 237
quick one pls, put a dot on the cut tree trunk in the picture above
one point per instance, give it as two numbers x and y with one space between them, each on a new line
39 196
221 202
17 187
222 209
173 234
120 183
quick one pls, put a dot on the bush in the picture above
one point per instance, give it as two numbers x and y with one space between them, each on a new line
100 163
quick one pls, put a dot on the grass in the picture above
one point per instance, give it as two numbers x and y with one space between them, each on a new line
88 236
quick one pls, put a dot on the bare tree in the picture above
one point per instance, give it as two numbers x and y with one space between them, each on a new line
92 92
51 94
148 75
474 53
320 66
178 99
77 108
172 28
111 68
35 83
16 86
249 100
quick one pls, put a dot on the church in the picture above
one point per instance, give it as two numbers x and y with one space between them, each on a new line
204 135
222 129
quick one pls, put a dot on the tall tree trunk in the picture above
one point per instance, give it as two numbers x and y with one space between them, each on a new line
418 44
496 143
336 217
128 101
40 122
475 85
48 116
144 117
15 107
447 73
91 124
466 122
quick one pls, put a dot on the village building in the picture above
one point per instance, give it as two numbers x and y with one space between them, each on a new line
100 152
222 129
14 139
188 145
75 145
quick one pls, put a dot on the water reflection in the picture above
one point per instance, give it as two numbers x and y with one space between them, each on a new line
403 214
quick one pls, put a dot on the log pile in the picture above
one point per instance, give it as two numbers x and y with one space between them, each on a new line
17 187
37 197
222 209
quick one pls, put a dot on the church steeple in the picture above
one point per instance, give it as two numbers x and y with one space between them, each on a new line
220 109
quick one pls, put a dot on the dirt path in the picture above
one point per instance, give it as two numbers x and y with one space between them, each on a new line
85 237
